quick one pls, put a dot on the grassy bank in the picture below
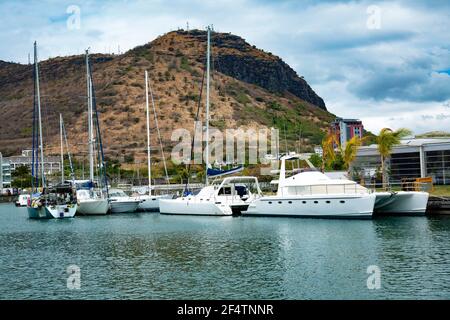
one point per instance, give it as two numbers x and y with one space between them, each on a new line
441 191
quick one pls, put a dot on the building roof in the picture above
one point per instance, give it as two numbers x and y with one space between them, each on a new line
410 145
21 159
346 120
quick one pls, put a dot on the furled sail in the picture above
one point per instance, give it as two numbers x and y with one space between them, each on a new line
211 172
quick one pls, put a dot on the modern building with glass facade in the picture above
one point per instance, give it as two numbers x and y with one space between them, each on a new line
413 158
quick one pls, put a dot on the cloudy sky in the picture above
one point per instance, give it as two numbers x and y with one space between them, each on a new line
386 62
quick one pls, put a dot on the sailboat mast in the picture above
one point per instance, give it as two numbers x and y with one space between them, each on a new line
41 144
208 62
90 120
72 174
62 147
148 136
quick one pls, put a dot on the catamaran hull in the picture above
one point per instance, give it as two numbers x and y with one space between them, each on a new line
93 207
402 202
355 206
197 208
151 203
53 212
124 206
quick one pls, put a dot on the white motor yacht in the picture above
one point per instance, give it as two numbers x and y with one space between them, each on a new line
230 196
313 194
122 203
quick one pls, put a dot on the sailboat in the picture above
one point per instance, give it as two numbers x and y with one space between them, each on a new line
149 202
54 201
221 198
92 200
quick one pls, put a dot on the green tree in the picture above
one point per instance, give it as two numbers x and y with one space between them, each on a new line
350 150
316 160
337 163
329 154
21 177
386 140
183 174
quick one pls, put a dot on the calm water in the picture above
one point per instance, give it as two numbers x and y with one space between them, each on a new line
150 256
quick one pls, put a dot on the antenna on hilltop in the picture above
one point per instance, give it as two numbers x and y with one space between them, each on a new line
29 59
187 26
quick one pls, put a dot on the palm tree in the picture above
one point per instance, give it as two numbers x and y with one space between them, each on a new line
350 150
386 141
183 174
328 155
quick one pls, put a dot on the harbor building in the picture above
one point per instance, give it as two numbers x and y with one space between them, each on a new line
345 129
51 163
5 174
413 158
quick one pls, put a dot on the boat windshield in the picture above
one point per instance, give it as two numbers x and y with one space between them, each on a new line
117 193
83 184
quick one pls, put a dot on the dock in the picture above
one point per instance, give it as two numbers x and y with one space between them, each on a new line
438 205
7 199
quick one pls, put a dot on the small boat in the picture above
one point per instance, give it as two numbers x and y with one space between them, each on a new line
23 200
313 194
122 203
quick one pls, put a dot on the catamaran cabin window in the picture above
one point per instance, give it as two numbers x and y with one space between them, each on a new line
225 191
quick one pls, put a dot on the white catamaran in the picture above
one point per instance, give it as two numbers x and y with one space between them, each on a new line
313 194
222 198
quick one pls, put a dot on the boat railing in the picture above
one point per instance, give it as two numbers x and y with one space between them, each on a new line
354 188
400 186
